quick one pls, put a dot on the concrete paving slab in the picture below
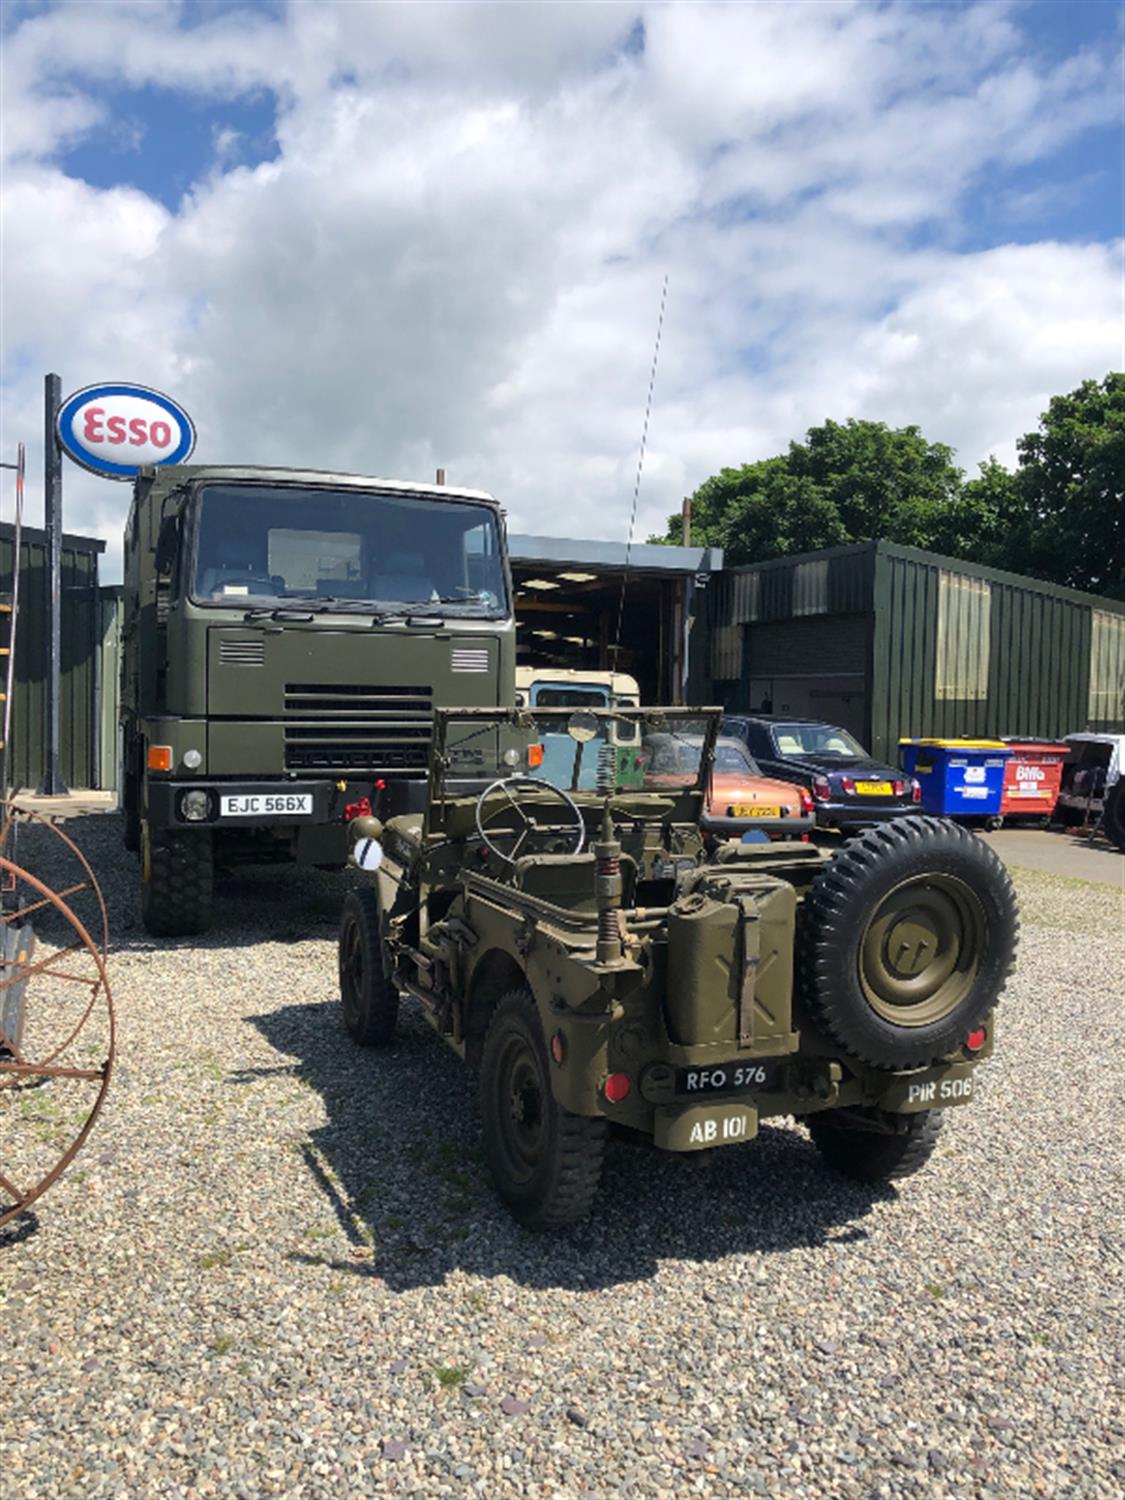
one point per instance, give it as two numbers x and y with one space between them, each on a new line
1059 852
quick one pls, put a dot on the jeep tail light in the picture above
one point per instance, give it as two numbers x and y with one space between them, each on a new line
821 788
616 1087
160 757
976 1039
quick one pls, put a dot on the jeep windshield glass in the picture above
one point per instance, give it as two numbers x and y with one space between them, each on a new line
631 750
350 549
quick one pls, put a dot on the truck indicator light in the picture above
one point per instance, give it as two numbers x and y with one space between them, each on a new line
535 756
976 1039
558 1046
160 757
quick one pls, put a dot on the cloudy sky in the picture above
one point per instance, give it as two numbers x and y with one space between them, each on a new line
381 238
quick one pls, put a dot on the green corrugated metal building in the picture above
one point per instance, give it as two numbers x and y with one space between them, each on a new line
891 641
86 619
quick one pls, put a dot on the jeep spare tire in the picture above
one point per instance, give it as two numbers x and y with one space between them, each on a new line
908 936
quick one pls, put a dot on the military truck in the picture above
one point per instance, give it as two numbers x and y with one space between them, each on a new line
287 636
604 972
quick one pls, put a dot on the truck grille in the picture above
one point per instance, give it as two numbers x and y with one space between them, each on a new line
350 727
241 653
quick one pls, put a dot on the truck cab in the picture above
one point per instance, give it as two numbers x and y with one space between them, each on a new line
287 636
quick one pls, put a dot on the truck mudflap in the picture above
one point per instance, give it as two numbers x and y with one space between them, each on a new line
700 1127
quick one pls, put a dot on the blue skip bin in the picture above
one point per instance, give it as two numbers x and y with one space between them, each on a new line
959 778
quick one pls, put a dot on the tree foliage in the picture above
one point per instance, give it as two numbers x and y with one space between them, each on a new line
1060 516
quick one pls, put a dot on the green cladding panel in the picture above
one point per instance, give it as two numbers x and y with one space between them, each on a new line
81 608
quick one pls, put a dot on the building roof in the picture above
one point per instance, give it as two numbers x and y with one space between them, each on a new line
642 557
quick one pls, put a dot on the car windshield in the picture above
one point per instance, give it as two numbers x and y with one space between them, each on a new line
308 548
617 751
816 739
669 755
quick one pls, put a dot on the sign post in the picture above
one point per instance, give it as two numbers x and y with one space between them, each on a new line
53 784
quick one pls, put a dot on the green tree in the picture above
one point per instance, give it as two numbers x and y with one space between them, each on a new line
849 482
1067 522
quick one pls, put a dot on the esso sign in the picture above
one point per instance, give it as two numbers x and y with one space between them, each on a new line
117 430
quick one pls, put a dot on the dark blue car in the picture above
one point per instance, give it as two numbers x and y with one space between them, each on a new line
850 790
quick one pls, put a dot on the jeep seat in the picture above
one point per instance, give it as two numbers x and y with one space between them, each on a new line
567 880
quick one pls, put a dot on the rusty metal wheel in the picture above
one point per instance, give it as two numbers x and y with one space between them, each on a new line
57 1028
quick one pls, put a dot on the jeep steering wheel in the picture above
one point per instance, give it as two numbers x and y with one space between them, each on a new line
513 784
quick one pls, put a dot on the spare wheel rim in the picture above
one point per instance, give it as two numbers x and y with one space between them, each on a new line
922 950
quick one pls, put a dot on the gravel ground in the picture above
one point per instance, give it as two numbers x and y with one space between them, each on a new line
277 1269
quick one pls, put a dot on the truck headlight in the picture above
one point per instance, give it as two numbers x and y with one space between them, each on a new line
195 806
193 759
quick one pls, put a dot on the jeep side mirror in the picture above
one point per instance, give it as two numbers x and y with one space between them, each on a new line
582 727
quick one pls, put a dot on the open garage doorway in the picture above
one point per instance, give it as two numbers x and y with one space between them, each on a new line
568 600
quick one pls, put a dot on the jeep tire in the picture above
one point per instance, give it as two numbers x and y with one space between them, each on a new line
546 1162
368 998
873 1146
908 936
177 881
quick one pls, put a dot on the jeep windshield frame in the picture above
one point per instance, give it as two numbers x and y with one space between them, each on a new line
301 547
469 745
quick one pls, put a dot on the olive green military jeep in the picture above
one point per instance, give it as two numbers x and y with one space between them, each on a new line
602 971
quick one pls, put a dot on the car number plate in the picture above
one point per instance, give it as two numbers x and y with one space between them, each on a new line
725 1078
267 805
754 810
873 788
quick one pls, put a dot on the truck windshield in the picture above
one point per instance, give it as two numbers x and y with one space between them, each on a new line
276 545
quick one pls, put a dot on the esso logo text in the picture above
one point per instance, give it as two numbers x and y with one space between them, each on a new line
117 430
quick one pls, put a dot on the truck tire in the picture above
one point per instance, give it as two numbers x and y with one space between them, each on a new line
368 999
897 1146
546 1162
908 937
177 882
1113 818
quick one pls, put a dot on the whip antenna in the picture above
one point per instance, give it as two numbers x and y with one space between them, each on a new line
640 467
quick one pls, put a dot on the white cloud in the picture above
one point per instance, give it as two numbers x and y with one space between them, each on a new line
457 255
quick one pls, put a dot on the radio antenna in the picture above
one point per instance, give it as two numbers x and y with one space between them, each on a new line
640 468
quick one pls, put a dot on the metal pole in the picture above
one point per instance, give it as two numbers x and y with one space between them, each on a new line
686 513
53 784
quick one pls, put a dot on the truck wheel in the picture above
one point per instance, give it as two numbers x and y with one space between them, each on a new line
908 937
881 1147
368 998
1113 818
546 1162
177 881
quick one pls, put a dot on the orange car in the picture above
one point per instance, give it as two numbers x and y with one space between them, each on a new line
742 799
